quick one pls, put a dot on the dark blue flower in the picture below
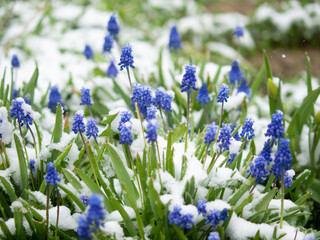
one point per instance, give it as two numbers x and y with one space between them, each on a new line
175 215
223 93
32 162
174 40
225 136
151 112
52 176
88 52
203 95
214 236
125 133
92 129
126 58
238 31
202 207
17 111
142 96
211 133
15 61
163 99
85 96
83 230
232 157
282 158
247 130
213 217
244 87
26 99
151 134
85 200
108 43
275 128
125 116
113 26
288 177
96 212
78 124
236 135
266 151
112 71
224 214
235 74
258 169
54 98
186 221
189 79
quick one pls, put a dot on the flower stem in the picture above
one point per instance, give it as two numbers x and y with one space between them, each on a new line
220 121
155 157
206 113
89 109
282 199
34 142
47 211
187 128
86 148
58 205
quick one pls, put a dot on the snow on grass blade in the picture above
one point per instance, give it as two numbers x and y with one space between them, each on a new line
72 179
73 197
31 86
10 190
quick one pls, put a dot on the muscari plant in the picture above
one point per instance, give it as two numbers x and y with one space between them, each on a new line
155 190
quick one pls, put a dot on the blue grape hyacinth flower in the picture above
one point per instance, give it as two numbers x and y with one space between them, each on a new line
32 162
52 176
238 31
125 133
275 128
203 95
96 213
108 43
186 221
213 217
244 87
235 74
84 229
88 52
15 63
85 96
174 39
214 236
54 98
223 93
175 215
202 207
258 169
151 112
189 79
17 111
247 129
142 96
112 71
84 199
225 136
151 134
125 117
126 58
113 26
92 129
282 158
288 177
163 99
78 124
266 151
211 133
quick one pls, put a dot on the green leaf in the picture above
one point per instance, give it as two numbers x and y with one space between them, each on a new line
5 230
160 71
22 167
242 190
122 173
257 81
9 188
309 85
29 89
123 95
300 178
303 199
109 119
72 179
264 203
315 190
181 101
178 133
2 85
18 218
267 64
57 131
107 132
244 203
74 198
63 155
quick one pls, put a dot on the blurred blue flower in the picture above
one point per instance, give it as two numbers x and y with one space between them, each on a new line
83 230
32 162
108 43
238 31
113 26
54 98
15 61
189 79
202 207
88 52
225 136
96 212
151 112
203 95
282 158
247 130
163 99
174 39
112 71
211 133
235 74
266 151
125 133
151 133
214 236
258 169
288 177
85 96
223 93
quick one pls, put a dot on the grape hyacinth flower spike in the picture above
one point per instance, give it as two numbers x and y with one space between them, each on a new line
96 212
235 73
108 44
163 101
174 40
84 229
86 99
113 26
214 236
247 130
112 71
92 129
210 137
238 31
222 98
188 83
184 221
15 63
203 98
88 52
258 170
54 98
275 128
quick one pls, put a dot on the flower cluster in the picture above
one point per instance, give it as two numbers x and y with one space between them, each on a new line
54 98
225 136
15 61
32 167
275 128
85 200
247 130
266 151
189 79
211 133
125 127
78 124
108 43
151 112
126 58
238 31
288 177
202 207
88 52
22 112
112 71
113 26
142 96
258 169
85 96
174 39
282 158
151 133
163 99
235 74
52 176
203 95
214 236
244 87
92 129
223 93
181 220
212 216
